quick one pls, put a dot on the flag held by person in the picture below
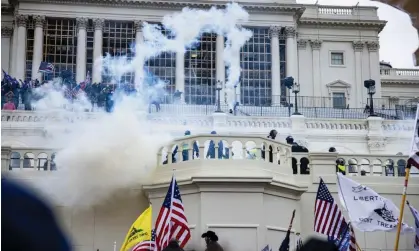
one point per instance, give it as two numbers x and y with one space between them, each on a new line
413 160
46 67
171 223
415 214
140 230
368 211
328 219
149 245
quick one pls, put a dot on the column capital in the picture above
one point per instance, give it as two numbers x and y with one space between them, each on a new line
290 32
82 22
98 23
316 44
302 44
358 46
21 20
138 25
373 46
6 32
274 31
39 21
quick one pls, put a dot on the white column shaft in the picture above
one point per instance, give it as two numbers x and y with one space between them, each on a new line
180 73
21 53
37 52
374 65
275 70
220 74
316 46
6 34
81 55
97 57
291 58
139 39
12 52
360 91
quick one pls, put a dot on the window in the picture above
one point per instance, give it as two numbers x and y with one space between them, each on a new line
29 48
336 58
118 37
200 71
339 100
60 46
255 61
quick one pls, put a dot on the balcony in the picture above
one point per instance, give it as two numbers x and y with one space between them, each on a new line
237 158
394 75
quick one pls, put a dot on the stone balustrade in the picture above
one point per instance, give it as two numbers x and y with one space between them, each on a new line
402 75
206 150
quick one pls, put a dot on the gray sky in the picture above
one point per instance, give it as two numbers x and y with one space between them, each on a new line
398 40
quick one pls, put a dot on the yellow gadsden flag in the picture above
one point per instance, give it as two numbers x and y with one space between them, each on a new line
140 230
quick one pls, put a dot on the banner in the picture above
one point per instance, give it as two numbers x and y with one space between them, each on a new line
415 214
368 211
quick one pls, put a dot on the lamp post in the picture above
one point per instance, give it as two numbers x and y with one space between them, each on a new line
296 90
370 85
295 87
218 88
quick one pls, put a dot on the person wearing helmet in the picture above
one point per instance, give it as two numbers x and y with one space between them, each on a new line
340 166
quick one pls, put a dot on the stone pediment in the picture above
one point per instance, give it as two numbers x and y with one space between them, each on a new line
338 85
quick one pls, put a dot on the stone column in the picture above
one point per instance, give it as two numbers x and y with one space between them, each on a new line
360 97
97 50
21 47
180 73
291 53
81 49
6 34
12 53
315 46
38 46
139 39
275 65
374 65
220 74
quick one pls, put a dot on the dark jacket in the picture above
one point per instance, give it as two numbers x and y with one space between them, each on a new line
27 222
173 246
214 246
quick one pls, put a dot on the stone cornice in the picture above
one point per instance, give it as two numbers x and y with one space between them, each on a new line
296 9
7 9
322 23
399 82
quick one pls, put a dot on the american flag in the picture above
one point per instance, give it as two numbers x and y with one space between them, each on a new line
352 240
171 222
328 219
415 214
147 245
46 67
413 160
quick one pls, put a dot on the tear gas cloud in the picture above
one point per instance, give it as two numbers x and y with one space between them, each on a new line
118 150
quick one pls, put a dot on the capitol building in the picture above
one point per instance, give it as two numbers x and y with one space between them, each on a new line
330 51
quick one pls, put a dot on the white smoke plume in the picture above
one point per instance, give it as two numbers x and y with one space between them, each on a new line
116 151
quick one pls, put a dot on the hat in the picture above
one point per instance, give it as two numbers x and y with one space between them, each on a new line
211 235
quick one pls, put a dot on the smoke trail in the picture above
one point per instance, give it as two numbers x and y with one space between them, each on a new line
116 151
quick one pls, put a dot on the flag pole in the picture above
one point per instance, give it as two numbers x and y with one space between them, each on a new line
114 246
399 224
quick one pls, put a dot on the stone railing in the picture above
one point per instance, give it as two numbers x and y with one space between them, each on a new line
395 74
364 13
22 158
202 150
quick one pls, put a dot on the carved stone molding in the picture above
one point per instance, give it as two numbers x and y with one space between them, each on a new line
274 31
138 25
373 46
358 45
290 32
316 44
21 20
39 21
98 23
82 22
6 31
377 144
302 44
